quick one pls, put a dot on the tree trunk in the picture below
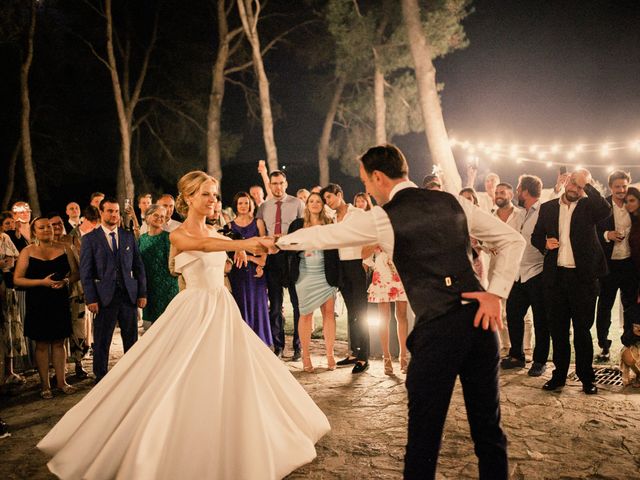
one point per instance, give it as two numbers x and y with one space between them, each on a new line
434 127
325 138
380 106
125 187
29 170
11 176
249 20
214 116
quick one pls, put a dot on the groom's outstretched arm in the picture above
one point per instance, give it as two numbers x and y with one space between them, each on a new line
359 228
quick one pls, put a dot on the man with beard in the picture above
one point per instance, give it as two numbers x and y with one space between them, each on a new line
573 261
613 233
512 216
527 290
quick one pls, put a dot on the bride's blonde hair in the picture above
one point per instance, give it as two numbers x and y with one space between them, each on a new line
188 186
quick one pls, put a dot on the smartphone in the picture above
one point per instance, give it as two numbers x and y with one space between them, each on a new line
563 170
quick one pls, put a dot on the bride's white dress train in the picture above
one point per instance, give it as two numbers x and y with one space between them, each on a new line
199 396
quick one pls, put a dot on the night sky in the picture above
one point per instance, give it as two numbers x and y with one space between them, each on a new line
547 72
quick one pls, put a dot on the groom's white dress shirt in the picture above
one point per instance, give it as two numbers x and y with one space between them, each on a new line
374 227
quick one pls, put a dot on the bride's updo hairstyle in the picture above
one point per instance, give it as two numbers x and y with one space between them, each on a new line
188 186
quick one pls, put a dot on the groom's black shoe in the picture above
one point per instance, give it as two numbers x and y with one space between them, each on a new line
296 356
347 361
360 367
589 388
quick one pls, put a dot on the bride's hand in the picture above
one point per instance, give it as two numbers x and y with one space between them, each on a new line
269 244
240 258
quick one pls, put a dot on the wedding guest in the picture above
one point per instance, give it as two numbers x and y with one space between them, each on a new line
613 233
95 199
257 194
302 195
314 275
266 179
167 201
77 348
73 216
486 199
277 213
362 201
630 357
353 284
154 249
248 282
21 236
527 291
386 288
573 261
145 200
12 342
114 283
45 270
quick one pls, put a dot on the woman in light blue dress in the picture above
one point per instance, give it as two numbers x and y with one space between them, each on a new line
315 276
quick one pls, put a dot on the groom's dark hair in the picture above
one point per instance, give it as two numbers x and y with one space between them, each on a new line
387 159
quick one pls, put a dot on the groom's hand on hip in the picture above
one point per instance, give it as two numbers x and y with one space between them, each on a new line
93 308
489 313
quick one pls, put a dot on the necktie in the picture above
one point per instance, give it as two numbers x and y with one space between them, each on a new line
114 245
277 229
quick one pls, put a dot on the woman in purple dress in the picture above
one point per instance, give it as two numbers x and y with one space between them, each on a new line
248 284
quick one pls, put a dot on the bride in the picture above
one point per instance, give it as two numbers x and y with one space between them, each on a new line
199 395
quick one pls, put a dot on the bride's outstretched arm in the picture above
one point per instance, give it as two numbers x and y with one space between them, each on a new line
183 241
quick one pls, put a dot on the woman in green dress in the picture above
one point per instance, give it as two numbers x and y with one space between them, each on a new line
154 249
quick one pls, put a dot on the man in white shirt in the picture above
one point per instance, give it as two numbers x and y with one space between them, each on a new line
426 233
573 261
167 201
512 216
73 217
527 291
613 233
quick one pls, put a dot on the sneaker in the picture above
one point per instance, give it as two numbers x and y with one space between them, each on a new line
510 362
604 356
537 369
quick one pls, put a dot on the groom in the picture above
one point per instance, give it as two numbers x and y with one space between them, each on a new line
427 235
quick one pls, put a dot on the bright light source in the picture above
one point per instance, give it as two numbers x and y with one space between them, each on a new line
549 164
571 155
533 148
542 155
610 168
555 149
604 150
579 148
373 320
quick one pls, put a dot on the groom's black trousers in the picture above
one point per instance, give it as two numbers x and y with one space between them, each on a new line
441 349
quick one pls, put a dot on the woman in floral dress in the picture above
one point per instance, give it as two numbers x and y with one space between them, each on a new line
385 289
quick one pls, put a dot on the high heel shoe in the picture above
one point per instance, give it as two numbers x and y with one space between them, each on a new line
331 362
404 364
306 365
388 366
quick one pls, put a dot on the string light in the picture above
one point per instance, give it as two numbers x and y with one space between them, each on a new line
539 153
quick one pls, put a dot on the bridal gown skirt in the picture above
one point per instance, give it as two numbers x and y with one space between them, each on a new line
199 396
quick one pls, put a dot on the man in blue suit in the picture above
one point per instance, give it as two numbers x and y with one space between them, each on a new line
114 282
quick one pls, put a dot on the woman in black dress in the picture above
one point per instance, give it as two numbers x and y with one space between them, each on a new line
44 270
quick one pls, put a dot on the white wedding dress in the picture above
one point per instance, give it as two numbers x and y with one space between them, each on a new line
199 396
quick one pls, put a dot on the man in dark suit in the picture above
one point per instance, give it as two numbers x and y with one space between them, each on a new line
613 233
114 283
573 261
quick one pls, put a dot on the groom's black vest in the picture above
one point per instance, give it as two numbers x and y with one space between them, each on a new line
432 250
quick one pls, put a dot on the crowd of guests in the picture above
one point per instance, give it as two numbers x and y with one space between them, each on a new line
68 281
